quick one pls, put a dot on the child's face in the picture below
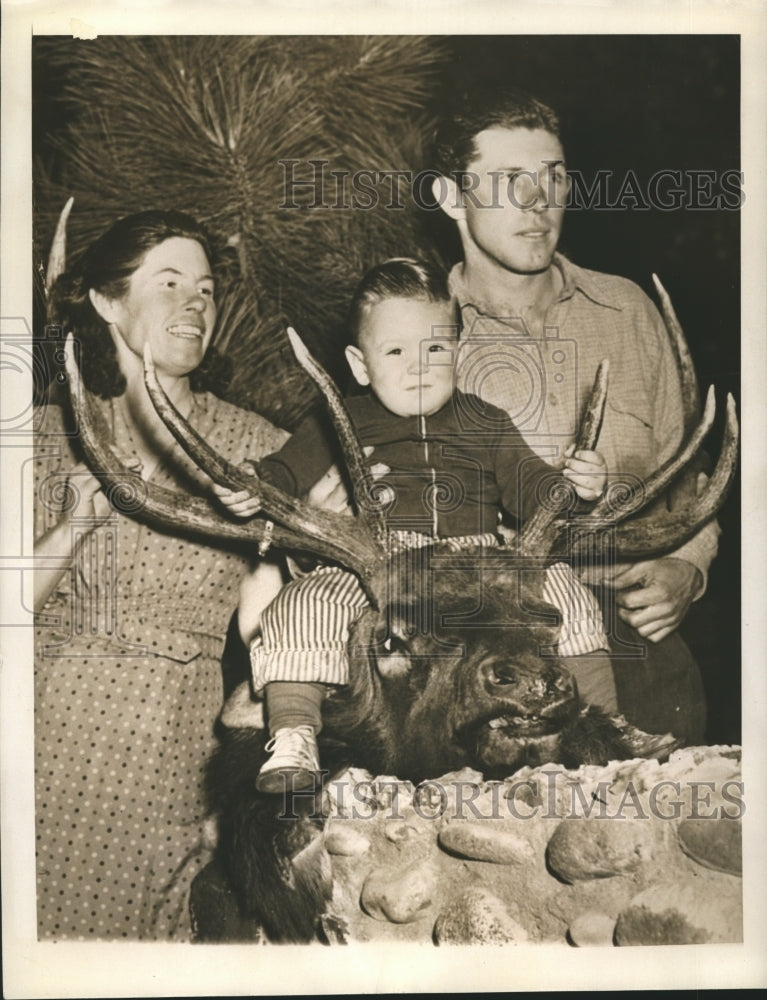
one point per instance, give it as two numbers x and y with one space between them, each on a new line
407 354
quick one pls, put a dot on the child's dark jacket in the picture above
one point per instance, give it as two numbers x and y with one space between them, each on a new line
450 474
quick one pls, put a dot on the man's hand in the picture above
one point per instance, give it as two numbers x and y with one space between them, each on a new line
654 596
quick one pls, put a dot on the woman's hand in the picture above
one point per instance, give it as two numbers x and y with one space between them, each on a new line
90 505
587 471
83 503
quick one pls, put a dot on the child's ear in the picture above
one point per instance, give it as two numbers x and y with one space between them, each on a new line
448 197
106 308
357 364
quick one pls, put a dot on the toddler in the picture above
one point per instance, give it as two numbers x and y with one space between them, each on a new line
436 442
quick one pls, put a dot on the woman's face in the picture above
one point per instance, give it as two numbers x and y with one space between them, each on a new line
170 305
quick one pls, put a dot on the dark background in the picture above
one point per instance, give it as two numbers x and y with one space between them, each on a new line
640 103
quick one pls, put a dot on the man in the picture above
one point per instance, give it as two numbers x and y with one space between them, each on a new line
535 329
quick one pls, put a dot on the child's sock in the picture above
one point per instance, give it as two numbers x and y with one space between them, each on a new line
294 703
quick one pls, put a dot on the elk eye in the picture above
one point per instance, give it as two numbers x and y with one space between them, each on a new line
394 661
394 644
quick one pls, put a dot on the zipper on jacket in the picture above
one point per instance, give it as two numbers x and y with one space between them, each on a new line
434 519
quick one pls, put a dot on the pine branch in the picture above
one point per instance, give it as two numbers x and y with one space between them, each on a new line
201 124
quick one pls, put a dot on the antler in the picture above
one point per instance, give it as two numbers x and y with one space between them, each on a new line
658 531
371 513
685 366
359 543
57 258
327 535
541 531
546 534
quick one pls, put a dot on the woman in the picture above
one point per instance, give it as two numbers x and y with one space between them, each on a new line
127 679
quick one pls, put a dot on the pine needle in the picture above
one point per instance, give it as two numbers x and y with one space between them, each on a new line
201 124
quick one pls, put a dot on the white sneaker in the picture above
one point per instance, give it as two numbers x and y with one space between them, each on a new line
294 762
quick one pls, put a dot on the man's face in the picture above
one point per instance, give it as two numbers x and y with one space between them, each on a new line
406 354
513 199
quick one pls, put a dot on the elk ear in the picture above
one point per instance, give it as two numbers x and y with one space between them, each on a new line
545 619
393 650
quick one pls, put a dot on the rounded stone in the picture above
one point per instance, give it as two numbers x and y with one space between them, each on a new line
399 895
339 797
683 913
477 916
391 794
346 841
588 849
591 929
713 843
396 831
485 841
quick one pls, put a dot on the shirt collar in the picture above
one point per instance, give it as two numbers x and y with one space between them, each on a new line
594 285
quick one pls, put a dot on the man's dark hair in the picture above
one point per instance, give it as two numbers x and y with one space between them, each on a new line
474 112
397 278
107 266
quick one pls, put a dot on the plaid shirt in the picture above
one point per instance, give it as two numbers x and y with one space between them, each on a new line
543 383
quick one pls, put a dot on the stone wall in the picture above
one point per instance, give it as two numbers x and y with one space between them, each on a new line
633 853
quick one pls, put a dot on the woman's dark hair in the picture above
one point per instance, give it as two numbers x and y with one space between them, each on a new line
107 266
397 278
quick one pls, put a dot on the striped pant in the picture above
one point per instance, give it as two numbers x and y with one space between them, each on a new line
305 629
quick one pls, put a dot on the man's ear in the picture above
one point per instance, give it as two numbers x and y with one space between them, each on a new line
448 196
357 364
106 308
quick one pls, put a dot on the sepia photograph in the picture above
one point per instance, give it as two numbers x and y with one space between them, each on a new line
381 427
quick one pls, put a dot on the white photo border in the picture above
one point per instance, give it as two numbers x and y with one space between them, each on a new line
32 969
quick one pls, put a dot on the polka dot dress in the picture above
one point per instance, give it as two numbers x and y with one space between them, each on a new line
127 690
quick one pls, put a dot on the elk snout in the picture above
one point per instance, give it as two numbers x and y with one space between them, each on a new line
499 674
